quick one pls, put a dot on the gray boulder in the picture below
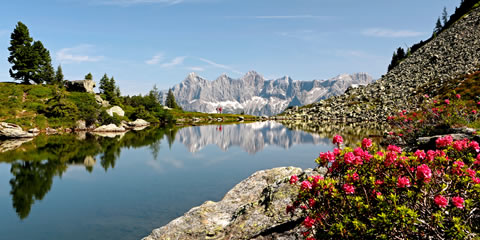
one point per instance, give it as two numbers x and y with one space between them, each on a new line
116 109
101 102
10 130
80 86
253 209
109 128
138 123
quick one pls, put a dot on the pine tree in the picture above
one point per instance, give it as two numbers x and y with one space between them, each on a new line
170 101
438 27
444 16
104 83
21 54
89 76
44 72
59 76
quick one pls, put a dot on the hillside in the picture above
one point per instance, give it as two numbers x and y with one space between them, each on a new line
253 94
453 53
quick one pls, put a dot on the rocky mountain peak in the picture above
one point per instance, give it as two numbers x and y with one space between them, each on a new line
252 94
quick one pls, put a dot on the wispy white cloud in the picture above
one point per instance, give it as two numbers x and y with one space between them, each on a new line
290 17
77 54
126 3
218 65
196 69
390 33
176 61
155 59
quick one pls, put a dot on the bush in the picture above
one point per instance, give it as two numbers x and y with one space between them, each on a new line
106 119
434 116
390 194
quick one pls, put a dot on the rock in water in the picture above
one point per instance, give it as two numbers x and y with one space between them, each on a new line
10 130
116 109
80 86
253 209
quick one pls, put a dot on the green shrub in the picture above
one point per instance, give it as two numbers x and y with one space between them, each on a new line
40 91
106 119
41 121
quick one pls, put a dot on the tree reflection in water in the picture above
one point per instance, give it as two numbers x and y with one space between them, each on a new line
34 164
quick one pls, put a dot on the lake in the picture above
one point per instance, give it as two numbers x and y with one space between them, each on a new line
122 187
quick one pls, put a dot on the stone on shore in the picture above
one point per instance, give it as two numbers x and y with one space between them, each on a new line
109 128
116 109
138 123
10 130
253 209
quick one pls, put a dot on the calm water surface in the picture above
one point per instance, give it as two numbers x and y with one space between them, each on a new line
94 187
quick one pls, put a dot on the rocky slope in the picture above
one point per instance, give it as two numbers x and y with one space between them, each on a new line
454 52
254 95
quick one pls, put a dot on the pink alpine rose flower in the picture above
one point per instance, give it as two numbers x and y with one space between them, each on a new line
349 189
447 101
424 173
349 158
476 180
420 154
337 140
366 143
474 145
471 172
390 159
394 148
458 202
441 201
306 185
293 179
457 167
458 96
403 182
444 141
308 222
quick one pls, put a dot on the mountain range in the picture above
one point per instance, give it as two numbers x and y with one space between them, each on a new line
253 94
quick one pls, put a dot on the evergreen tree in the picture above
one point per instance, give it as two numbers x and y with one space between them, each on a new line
108 87
21 54
45 72
89 76
438 27
444 16
104 83
397 57
170 101
59 76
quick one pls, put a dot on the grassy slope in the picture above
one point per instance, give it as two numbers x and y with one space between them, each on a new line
26 106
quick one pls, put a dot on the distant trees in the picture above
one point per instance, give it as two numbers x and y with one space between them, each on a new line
31 60
397 57
170 100
89 76
59 76
438 27
108 87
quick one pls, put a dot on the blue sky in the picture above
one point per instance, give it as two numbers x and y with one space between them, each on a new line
147 42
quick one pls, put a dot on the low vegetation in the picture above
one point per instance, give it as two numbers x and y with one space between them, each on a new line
391 194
